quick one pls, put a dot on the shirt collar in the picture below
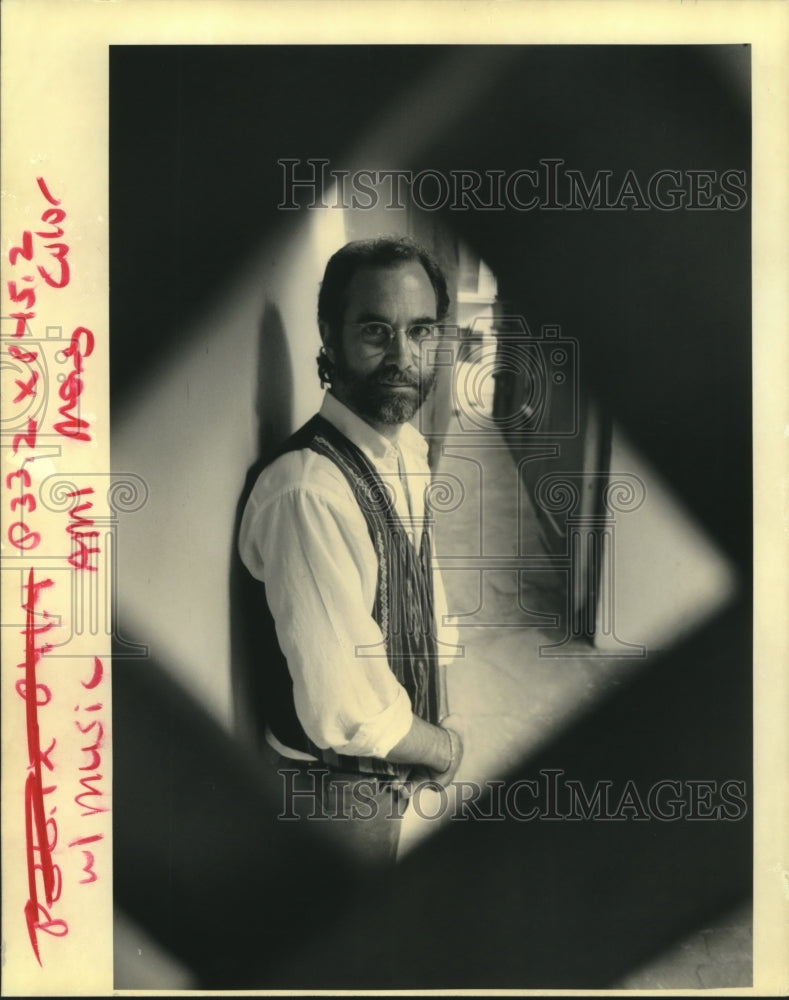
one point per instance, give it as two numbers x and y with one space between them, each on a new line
364 436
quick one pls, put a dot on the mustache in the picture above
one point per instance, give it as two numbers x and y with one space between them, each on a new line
393 376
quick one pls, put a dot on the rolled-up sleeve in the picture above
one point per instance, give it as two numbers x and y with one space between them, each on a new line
316 559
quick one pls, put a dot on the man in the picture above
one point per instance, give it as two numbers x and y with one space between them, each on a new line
335 527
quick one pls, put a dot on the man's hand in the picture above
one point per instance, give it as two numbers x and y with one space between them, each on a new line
451 725
445 752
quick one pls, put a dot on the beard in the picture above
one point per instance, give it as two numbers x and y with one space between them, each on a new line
370 396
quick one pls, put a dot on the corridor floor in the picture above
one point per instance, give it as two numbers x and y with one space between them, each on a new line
512 698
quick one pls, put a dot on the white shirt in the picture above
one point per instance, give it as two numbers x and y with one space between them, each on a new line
304 535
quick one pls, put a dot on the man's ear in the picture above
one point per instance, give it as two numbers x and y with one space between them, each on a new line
326 339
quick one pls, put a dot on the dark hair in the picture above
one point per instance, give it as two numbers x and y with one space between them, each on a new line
382 251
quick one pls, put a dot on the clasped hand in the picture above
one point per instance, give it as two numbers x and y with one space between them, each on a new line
421 774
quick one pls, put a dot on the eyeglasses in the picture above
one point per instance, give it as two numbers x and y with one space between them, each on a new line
380 335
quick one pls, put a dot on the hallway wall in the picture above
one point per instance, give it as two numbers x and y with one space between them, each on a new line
243 378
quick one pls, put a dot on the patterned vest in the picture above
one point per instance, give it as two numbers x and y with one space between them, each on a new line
403 607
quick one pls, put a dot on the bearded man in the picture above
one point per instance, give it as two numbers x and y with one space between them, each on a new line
335 527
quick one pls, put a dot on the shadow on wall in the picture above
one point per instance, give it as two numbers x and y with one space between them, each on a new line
274 398
274 412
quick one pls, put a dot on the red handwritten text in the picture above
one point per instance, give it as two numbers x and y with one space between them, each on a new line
22 291
93 763
82 552
71 388
41 831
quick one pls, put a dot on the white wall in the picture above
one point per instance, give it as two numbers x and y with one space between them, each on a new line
192 433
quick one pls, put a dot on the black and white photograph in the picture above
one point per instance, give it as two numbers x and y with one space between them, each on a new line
430 534
500 732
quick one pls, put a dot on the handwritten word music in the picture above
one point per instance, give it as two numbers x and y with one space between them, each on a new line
92 725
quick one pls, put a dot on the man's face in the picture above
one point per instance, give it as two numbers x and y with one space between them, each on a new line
385 384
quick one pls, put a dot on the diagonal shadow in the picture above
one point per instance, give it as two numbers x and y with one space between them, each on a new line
202 863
